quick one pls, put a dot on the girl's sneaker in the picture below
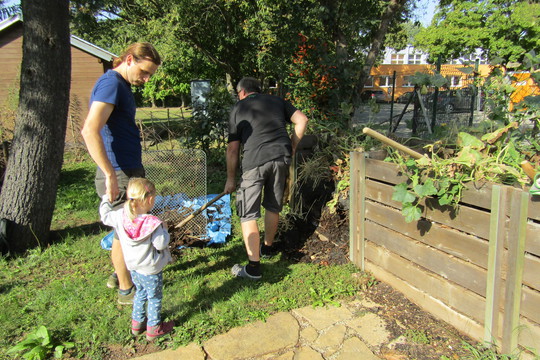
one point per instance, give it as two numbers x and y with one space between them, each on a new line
161 329
137 328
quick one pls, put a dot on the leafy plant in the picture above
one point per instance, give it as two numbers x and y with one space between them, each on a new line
492 152
38 345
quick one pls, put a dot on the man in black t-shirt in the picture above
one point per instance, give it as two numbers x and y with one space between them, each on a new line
258 124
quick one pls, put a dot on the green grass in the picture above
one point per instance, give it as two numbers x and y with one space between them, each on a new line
162 114
62 287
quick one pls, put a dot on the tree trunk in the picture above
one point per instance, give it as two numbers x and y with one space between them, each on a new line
393 9
29 192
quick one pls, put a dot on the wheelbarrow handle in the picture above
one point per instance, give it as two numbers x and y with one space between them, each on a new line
198 211
392 143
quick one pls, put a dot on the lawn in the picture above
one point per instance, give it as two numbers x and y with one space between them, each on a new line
62 287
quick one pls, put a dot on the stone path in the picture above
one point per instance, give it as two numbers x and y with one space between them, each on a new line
335 333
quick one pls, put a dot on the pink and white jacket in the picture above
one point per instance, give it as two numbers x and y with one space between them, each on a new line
145 240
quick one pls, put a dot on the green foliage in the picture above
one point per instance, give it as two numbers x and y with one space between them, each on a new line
38 345
207 128
229 39
506 29
491 152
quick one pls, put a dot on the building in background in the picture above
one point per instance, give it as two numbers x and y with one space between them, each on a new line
407 62
88 63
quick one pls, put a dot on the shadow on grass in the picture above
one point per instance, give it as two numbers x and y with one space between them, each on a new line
94 228
206 297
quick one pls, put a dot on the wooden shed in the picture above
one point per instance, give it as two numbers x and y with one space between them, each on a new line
88 63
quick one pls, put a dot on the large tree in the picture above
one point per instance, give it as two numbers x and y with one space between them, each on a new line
29 192
502 29
230 39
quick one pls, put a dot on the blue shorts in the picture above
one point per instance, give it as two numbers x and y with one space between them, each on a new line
267 183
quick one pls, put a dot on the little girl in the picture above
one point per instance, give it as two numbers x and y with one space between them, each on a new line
144 239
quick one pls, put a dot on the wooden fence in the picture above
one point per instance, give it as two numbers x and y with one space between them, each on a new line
477 268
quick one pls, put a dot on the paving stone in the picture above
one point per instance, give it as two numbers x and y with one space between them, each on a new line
191 352
309 334
321 318
289 355
355 349
307 353
333 337
278 332
371 328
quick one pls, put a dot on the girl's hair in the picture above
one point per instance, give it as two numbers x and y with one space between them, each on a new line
138 190
139 51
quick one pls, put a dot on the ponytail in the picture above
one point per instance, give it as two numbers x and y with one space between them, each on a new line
138 190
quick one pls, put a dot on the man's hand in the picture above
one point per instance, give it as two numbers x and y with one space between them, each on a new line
230 187
111 184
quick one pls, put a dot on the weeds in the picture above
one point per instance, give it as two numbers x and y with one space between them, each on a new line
417 336
39 345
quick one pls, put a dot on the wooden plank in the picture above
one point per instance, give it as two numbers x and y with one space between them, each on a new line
464 301
516 260
529 335
495 257
456 243
428 303
530 305
478 195
462 273
475 194
384 171
356 213
532 244
534 208
467 219
531 269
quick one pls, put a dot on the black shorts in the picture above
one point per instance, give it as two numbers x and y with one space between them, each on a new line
267 183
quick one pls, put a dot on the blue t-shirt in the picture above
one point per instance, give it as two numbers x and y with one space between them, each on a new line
120 134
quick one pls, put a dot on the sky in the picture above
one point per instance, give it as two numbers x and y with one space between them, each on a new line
425 10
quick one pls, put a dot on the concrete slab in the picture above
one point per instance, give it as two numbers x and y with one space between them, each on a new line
321 318
332 338
280 331
191 352
355 349
371 328
307 353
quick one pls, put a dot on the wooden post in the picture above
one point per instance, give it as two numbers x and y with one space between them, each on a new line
516 260
497 225
357 208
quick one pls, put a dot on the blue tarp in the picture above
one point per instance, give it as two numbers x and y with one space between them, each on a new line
218 215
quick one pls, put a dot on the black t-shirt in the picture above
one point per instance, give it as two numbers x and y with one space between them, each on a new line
259 123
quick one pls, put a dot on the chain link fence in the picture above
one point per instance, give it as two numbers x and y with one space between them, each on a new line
180 179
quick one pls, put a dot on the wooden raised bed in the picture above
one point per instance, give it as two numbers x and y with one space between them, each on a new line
477 269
